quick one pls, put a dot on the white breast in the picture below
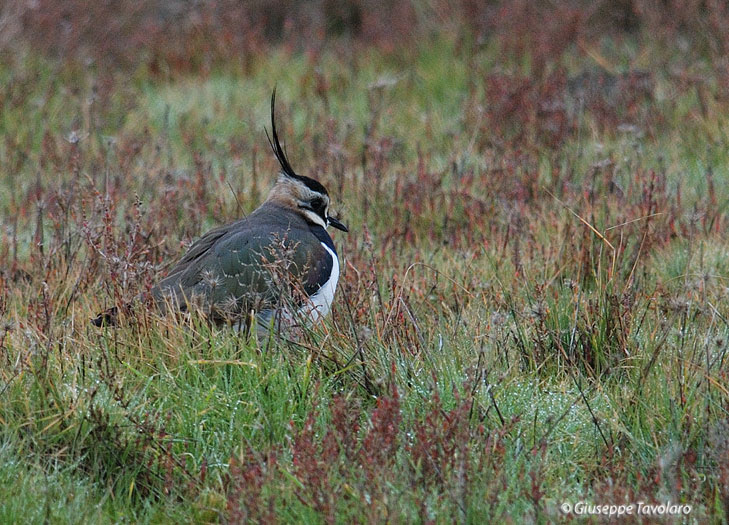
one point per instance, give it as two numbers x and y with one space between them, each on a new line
314 310
321 302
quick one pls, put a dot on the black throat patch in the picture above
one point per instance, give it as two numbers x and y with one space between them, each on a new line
323 236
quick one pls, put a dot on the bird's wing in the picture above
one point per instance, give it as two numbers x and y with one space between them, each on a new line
201 247
237 270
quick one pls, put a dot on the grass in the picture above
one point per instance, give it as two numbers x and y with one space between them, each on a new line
532 308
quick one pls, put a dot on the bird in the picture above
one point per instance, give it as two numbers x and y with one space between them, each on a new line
277 267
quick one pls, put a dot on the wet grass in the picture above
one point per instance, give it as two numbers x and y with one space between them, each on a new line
532 306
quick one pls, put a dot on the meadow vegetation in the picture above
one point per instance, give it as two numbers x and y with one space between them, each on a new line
533 301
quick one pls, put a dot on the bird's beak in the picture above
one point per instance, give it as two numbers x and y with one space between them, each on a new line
338 225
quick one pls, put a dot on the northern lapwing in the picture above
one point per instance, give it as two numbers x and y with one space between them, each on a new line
276 267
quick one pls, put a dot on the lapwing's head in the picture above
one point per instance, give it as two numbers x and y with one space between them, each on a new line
301 194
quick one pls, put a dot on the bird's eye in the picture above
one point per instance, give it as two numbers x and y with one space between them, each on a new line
317 204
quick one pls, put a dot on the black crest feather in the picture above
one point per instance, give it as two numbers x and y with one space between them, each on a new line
286 168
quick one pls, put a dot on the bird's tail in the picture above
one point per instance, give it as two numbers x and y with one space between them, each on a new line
109 317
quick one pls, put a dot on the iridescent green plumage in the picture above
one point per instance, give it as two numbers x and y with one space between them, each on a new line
252 264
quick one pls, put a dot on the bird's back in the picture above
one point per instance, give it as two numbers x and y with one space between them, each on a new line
256 263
